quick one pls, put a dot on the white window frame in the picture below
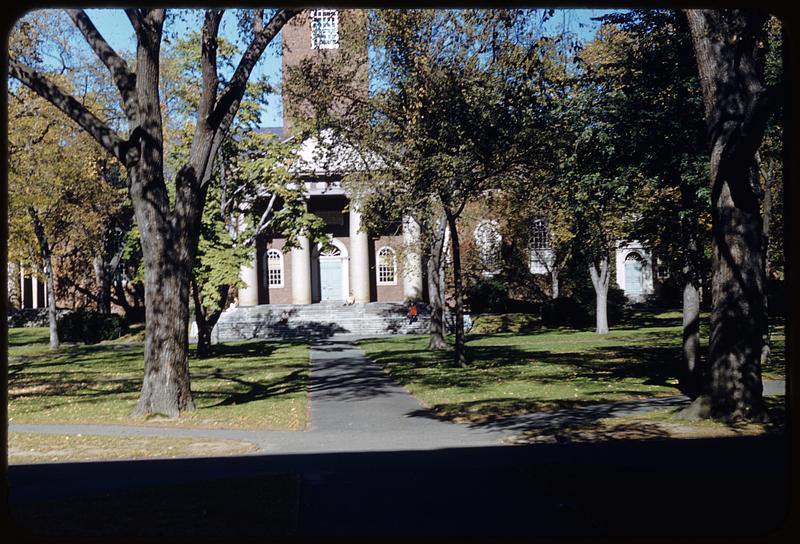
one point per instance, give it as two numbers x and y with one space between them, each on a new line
280 269
540 235
321 17
379 264
489 250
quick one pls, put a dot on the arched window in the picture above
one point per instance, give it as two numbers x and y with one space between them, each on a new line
274 268
332 251
488 240
540 235
387 266
324 29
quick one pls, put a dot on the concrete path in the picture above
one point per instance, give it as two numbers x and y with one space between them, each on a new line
356 406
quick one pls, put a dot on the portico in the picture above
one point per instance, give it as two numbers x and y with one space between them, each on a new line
382 267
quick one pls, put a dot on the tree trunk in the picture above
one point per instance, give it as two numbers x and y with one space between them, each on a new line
737 108
435 291
52 314
599 275
206 322
14 289
558 266
767 206
554 283
690 376
103 279
167 245
165 388
459 357
46 255
690 379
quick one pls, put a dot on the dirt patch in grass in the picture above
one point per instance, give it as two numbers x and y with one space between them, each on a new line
26 448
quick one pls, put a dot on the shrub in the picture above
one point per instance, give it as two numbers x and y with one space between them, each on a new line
90 327
511 322
565 312
578 311
669 294
487 295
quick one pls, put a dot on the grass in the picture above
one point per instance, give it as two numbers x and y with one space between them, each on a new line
514 373
658 424
511 322
254 385
38 448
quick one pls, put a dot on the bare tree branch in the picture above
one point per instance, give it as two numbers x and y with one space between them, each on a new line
208 60
228 104
124 79
135 17
263 223
76 111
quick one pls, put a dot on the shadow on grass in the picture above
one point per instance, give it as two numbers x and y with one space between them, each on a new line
92 375
643 320
293 382
522 415
237 350
655 366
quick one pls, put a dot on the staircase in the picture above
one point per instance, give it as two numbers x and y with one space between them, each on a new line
321 320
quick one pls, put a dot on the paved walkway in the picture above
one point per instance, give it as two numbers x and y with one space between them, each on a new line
355 406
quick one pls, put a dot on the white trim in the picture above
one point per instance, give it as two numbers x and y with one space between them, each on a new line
343 257
282 269
378 266
622 253
324 15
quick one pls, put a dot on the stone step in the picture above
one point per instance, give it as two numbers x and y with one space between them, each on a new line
323 319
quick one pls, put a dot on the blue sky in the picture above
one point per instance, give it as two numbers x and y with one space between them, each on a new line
115 27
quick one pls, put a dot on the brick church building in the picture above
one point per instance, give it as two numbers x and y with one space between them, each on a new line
373 267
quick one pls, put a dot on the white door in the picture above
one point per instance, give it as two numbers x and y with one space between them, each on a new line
330 279
634 276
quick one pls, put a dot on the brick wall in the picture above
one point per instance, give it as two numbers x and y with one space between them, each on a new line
296 40
386 293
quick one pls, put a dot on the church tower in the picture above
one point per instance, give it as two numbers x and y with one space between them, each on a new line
338 37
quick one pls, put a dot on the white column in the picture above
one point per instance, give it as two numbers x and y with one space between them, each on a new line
301 272
412 268
248 295
359 257
34 292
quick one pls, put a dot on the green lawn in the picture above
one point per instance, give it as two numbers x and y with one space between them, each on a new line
260 385
511 374
656 425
